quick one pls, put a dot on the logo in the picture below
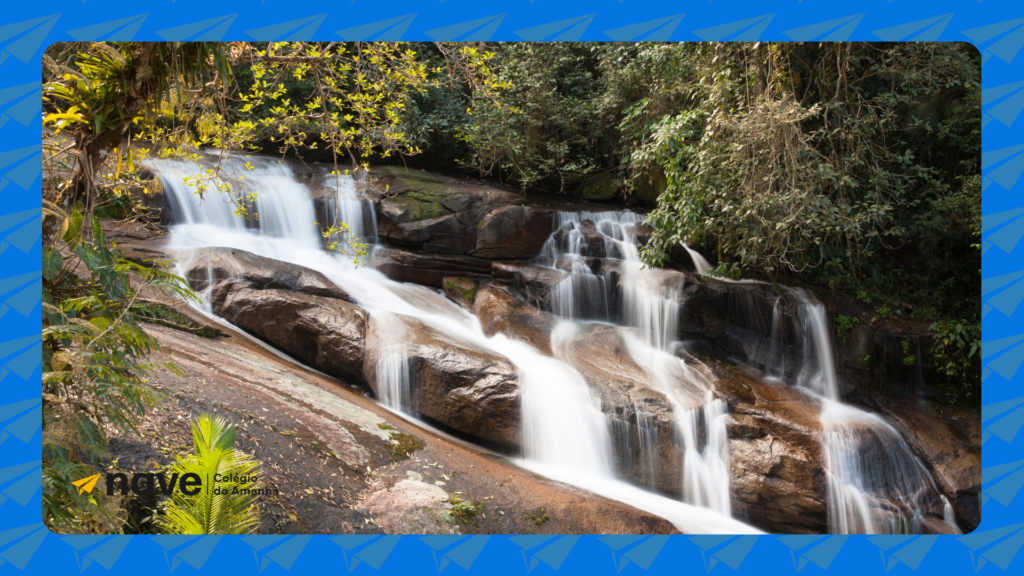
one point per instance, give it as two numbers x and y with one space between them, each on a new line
86 484
190 484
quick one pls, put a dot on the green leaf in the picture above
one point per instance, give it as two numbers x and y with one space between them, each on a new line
71 236
52 263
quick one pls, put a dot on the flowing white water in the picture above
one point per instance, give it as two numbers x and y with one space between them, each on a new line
652 308
700 264
565 434
875 483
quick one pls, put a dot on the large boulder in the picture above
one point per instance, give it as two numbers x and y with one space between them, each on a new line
510 232
953 458
501 313
205 266
427 269
450 381
778 481
327 333
593 241
432 212
601 186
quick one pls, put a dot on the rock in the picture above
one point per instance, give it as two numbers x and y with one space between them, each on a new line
638 415
778 482
601 186
534 281
643 234
648 449
204 266
510 232
954 461
435 213
593 241
856 357
933 525
426 269
471 390
500 312
326 333
136 241
462 291
410 507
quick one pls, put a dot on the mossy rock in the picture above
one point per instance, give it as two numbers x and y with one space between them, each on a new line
462 291
600 186
423 200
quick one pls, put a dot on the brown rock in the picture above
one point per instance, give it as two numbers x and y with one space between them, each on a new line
452 382
324 332
775 453
427 269
638 414
432 212
955 461
535 282
513 232
593 241
500 312
204 266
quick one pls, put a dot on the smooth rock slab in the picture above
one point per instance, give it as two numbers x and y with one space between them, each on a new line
471 390
323 332
410 507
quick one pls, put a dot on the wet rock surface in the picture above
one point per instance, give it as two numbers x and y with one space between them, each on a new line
468 389
599 353
204 266
953 458
417 267
328 451
778 481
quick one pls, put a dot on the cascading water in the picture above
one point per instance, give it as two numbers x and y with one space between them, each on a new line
565 434
875 483
652 309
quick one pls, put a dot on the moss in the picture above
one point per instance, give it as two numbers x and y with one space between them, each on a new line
536 519
599 187
402 445
465 511
464 286
422 200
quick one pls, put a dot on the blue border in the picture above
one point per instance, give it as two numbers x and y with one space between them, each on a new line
995 27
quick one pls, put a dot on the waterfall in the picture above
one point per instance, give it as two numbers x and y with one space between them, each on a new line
700 264
652 309
875 483
565 434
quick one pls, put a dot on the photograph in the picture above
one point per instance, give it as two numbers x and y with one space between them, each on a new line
520 288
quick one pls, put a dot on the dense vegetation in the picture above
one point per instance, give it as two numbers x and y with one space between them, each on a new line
854 167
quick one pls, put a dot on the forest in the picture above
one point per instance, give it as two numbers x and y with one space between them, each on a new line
850 171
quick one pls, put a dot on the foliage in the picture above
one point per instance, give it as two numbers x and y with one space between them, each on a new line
224 505
843 325
94 361
956 352
540 127
465 511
